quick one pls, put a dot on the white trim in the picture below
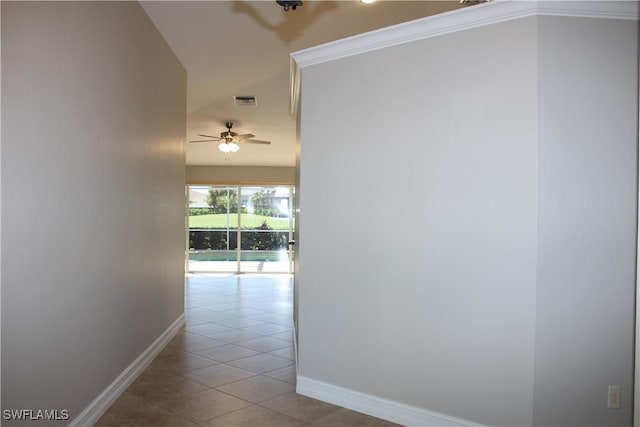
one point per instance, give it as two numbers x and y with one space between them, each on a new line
294 87
608 9
461 19
636 376
295 346
100 404
449 22
376 406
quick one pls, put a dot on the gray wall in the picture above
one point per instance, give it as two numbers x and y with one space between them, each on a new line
418 232
93 127
476 222
586 220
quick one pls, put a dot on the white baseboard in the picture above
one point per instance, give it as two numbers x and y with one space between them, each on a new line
376 406
100 404
295 346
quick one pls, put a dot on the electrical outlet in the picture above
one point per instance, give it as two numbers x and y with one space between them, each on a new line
614 397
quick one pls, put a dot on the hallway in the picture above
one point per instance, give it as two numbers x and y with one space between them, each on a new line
232 365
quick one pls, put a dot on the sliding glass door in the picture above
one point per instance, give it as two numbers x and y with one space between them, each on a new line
240 229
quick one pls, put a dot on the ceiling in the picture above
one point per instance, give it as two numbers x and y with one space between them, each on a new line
241 48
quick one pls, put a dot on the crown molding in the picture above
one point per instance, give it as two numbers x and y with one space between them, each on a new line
611 9
462 19
449 22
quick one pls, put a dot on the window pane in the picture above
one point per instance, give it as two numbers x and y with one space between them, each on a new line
213 227
266 227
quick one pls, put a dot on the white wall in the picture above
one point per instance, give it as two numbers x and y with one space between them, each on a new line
93 179
588 137
468 247
418 232
241 175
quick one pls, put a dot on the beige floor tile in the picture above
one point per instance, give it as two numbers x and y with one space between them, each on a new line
181 362
261 363
277 318
287 374
192 342
285 353
264 344
285 336
201 313
300 407
165 387
346 418
243 312
130 410
254 416
235 335
192 321
207 329
239 322
108 420
228 352
214 376
267 328
257 389
204 405
176 346
168 420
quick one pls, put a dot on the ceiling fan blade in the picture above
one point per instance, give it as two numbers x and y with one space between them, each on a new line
245 136
216 138
206 140
255 141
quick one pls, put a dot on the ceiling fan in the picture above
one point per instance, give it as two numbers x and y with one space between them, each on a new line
229 140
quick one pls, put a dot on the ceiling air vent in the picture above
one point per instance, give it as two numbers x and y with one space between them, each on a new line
247 101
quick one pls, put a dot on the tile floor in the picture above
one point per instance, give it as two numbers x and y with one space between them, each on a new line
231 365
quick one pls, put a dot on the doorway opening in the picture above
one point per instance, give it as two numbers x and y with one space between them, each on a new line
240 229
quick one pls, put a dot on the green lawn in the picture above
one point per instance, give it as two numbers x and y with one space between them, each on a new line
247 221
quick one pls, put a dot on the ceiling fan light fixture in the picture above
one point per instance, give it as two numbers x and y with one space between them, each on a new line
228 147
228 141
289 4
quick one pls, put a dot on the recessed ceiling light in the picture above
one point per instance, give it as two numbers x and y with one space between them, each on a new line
367 1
